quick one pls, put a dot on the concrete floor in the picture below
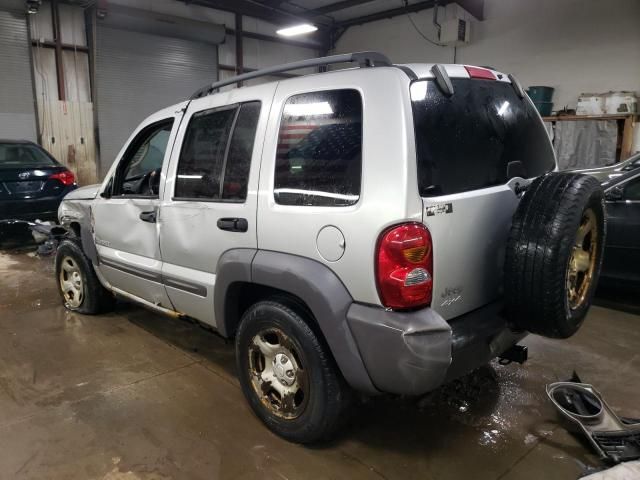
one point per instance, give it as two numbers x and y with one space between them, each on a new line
132 395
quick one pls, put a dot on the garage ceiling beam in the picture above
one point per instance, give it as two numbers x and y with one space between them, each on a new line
334 7
394 12
474 7
253 8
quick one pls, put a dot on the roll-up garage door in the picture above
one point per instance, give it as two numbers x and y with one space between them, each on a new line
17 111
138 73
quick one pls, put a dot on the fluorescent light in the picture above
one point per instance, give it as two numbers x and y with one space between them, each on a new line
418 91
297 30
303 109
503 108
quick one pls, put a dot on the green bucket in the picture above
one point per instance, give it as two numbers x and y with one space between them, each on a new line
544 108
540 94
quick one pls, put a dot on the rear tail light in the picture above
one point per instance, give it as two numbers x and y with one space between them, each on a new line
65 177
476 72
404 266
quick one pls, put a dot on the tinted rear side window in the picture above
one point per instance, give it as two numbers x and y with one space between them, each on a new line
467 141
202 156
319 159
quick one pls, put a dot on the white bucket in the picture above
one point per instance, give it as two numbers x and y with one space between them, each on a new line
621 102
591 104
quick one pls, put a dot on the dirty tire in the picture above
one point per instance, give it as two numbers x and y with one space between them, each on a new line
540 260
328 395
95 298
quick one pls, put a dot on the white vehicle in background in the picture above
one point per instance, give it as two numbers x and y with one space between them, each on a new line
381 229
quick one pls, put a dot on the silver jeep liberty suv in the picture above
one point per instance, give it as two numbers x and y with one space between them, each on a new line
377 229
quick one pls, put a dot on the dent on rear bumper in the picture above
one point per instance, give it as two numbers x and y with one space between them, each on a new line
411 353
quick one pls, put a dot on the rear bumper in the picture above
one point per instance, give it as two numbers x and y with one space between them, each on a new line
412 353
31 209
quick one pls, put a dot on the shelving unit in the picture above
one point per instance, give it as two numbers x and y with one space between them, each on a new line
626 125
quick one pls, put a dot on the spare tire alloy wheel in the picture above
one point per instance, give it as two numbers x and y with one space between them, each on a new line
71 282
554 254
582 264
277 373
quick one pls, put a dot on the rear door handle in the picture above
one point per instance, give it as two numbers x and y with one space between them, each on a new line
148 216
233 224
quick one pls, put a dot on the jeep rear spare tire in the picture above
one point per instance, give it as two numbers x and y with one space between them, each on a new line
554 254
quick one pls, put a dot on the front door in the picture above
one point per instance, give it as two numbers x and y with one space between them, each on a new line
125 218
209 206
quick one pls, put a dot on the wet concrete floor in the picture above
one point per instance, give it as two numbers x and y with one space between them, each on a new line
133 395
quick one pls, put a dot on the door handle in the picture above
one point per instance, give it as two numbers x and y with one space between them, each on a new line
148 216
233 224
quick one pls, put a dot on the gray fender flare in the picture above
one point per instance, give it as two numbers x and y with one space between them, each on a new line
311 281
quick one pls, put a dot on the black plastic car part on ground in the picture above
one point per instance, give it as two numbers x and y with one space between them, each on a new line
554 254
615 439
32 182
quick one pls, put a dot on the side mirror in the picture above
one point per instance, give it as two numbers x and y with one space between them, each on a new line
614 195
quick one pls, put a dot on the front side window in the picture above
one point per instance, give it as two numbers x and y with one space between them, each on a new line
319 157
139 170
216 154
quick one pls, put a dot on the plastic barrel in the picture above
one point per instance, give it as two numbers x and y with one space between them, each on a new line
540 94
544 108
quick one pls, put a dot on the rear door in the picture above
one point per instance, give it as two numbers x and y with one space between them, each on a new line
475 149
210 201
125 216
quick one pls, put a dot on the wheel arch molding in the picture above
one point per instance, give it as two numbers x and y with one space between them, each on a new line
244 276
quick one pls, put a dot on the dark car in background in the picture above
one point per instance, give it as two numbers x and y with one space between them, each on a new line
32 182
622 251
610 172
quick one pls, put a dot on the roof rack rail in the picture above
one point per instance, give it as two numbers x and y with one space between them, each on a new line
363 59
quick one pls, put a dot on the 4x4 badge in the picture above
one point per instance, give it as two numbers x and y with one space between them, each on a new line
438 209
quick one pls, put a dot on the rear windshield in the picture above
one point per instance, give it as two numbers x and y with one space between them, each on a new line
473 138
18 155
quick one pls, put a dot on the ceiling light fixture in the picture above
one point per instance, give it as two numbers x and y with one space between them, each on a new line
297 30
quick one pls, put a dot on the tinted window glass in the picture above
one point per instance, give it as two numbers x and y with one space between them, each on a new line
467 141
236 175
319 159
632 190
15 155
202 156
139 169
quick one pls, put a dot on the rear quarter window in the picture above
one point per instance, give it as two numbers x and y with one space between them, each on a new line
319 157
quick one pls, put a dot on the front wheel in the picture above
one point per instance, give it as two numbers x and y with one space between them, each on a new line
78 284
287 375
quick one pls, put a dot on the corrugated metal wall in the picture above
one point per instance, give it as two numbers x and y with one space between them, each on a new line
17 112
138 74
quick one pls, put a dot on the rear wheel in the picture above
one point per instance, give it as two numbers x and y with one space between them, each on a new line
554 254
287 375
